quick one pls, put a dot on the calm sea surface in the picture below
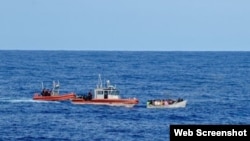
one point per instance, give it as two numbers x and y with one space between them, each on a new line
216 85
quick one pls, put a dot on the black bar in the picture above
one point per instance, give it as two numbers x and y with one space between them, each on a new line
189 132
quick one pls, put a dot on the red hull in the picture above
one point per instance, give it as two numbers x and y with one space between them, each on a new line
62 97
106 101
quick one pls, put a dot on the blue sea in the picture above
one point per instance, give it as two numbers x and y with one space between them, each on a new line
216 85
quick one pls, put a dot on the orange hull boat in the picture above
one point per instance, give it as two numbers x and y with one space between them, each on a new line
62 97
107 95
53 95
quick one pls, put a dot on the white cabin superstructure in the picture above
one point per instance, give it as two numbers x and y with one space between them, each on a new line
107 92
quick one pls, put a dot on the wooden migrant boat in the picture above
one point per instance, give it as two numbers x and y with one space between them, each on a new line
166 103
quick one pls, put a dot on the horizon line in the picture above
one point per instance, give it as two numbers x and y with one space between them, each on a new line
127 50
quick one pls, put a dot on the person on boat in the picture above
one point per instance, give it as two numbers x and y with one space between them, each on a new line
89 95
165 102
49 92
162 102
46 92
170 101
179 100
151 102
43 92
156 103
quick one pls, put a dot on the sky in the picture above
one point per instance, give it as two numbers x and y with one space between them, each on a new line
125 25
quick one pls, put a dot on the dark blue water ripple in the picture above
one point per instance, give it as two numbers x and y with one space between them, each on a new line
216 85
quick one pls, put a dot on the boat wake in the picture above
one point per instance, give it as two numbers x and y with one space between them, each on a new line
25 100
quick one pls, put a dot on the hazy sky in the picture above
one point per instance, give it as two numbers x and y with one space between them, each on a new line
154 25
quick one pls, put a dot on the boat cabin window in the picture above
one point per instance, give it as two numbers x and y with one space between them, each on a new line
99 92
114 92
108 92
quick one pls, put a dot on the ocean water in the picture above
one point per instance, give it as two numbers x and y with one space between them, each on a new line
216 85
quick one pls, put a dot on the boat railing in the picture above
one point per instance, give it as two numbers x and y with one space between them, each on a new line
55 88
